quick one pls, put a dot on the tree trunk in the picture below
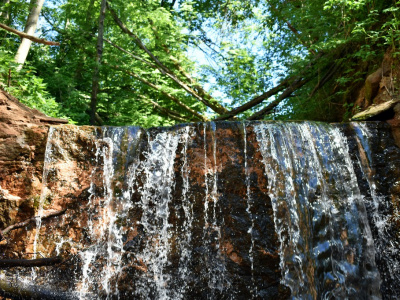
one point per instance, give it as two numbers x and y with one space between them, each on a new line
30 28
95 81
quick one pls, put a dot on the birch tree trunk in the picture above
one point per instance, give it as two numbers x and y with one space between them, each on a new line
30 28
99 54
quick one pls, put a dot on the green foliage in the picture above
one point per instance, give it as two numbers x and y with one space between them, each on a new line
27 87
236 49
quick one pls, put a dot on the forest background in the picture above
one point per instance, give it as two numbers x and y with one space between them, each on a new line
158 63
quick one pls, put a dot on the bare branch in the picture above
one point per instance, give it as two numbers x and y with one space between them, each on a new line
29 37
31 220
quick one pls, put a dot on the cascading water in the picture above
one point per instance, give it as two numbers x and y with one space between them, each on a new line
383 215
211 211
327 248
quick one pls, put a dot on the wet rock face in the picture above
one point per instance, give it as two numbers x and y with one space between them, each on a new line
183 212
377 162
193 211
23 134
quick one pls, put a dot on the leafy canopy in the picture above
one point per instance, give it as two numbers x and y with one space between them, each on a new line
195 60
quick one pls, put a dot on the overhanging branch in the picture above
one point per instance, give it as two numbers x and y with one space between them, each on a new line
287 84
255 101
29 37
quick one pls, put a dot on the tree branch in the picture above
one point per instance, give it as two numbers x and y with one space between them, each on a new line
29 37
130 54
286 93
332 70
211 103
173 59
255 101
196 86
30 220
202 118
294 30
286 83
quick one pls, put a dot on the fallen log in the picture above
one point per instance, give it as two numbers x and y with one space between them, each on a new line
39 262
14 290
375 110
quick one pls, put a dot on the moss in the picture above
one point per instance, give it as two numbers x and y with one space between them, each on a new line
46 203
36 201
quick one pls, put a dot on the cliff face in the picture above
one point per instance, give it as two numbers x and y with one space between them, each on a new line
223 209
23 134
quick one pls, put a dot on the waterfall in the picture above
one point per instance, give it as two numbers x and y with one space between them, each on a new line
213 211
380 207
319 212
